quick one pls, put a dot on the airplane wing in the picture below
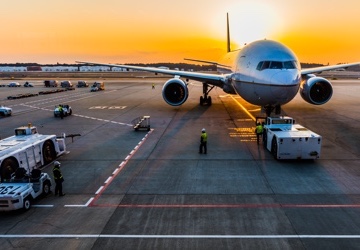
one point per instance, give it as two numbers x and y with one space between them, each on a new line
213 79
325 68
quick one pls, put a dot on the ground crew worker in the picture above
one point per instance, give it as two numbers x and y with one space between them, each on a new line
203 142
153 86
61 111
58 179
259 131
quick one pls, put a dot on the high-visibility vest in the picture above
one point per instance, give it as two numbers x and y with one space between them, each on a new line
204 137
57 173
259 129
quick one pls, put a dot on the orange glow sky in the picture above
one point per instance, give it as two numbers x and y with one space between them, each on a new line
123 31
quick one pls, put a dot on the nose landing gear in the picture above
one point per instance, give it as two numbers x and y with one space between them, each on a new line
205 99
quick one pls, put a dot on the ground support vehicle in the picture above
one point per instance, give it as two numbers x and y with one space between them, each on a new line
28 84
97 86
66 110
82 84
5 111
51 83
66 84
20 191
14 84
142 122
28 150
287 140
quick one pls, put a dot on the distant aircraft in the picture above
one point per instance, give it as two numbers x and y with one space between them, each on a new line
264 73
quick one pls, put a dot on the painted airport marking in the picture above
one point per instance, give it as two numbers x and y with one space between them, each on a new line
162 236
108 107
82 116
117 171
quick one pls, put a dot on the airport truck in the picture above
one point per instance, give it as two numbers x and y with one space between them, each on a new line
287 140
28 149
97 86
21 189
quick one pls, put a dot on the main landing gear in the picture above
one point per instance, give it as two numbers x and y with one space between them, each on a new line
205 99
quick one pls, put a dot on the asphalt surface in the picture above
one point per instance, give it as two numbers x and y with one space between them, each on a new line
153 190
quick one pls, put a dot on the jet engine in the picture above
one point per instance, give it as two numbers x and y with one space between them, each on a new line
316 90
175 92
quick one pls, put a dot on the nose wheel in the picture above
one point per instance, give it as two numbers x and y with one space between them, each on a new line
206 99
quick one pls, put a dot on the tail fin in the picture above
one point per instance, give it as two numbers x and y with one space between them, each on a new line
228 33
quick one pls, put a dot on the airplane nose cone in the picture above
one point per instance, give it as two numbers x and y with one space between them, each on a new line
283 77
284 86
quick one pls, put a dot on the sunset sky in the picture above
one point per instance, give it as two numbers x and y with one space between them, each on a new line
119 31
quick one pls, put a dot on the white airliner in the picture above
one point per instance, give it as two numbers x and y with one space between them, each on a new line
264 73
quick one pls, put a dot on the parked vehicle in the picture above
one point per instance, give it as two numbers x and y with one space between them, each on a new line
66 84
28 149
27 84
97 86
51 83
5 111
82 84
20 191
14 84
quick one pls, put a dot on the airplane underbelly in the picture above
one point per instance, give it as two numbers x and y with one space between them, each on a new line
266 94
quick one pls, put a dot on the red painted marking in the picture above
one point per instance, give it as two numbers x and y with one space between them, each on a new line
92 203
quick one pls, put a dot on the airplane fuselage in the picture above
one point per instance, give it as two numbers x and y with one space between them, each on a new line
264 73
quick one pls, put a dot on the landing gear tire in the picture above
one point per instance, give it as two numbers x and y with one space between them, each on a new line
201 100
209 102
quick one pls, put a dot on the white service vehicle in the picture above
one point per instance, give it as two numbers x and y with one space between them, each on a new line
20 191
66 109
5 111
287 140
27 149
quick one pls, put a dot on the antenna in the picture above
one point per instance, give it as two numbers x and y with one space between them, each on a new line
228 33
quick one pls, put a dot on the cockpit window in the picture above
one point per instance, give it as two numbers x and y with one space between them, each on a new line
276 65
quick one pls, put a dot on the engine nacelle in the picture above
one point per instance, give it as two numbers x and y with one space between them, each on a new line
316 90
175 92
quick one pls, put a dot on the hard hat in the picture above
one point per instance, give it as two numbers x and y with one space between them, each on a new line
203 130
56 163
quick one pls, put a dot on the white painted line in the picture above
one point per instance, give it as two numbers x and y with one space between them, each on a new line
132 152
180 236
74 206
127 157
42 205
136 147
122 164
115 171
108 179
99 190
89 201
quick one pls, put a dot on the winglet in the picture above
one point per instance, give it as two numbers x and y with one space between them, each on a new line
228 33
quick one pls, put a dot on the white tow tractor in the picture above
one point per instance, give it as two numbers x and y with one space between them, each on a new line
287 140
21 157
21 189
28 149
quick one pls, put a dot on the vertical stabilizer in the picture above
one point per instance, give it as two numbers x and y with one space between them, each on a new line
228 33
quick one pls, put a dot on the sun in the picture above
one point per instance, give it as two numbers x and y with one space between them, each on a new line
250 21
